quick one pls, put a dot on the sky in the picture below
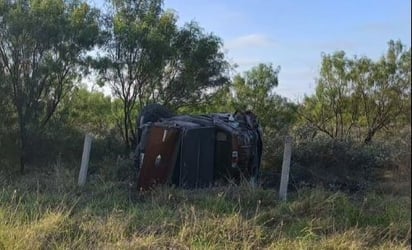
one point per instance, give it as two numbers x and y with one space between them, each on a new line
294 34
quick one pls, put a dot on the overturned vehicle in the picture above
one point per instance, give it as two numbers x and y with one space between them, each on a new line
196 151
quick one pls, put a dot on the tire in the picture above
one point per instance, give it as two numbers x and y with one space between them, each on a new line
153 113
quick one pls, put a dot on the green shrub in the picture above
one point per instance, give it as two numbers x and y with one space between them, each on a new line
338 164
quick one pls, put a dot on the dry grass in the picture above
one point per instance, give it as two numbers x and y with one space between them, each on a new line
47 211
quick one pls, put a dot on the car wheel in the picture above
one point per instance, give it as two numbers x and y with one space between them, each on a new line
153 113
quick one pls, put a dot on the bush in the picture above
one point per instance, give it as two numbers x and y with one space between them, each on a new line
273 145
337 164
61 143
400 153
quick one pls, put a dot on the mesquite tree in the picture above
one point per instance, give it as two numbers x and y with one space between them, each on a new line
42 43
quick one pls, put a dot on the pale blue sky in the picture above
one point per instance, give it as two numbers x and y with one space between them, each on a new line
293 34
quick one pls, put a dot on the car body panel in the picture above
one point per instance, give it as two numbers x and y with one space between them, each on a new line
198 150
157 160
197 157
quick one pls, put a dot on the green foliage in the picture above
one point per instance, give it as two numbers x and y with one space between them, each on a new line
356 98
41 45
8 133
329 110
89 112
148 58
218 101
343 165
79 112
255 91
386 94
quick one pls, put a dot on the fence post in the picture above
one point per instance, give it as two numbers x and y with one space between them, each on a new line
85 159
287 153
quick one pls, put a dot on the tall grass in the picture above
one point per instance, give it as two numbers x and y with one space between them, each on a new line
48 211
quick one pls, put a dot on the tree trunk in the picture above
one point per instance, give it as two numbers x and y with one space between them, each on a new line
23 143
369 136
22 158
126 125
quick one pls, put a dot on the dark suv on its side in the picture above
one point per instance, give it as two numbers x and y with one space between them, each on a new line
198 150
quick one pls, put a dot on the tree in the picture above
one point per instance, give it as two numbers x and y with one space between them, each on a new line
5 101
255 91
384 88
220 101
42 43
358 92
147 58
331 110
88 111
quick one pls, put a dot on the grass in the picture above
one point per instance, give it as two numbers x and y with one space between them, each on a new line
47 211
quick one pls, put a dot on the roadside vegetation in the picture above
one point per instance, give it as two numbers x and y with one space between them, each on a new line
47 211
350 177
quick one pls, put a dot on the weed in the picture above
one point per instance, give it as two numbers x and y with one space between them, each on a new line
47 210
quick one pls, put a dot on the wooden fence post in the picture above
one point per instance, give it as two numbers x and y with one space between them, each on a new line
287 153
85 159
